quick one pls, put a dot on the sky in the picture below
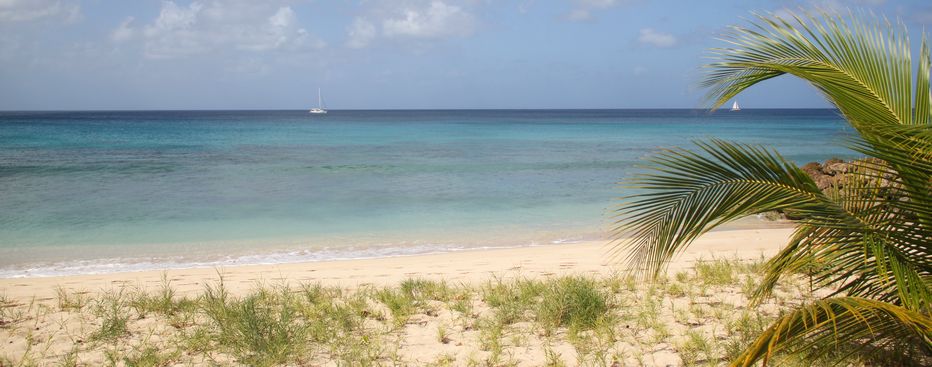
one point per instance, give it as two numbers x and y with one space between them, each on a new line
372 54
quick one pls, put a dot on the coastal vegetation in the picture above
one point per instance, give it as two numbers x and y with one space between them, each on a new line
693 317
864 240
851 288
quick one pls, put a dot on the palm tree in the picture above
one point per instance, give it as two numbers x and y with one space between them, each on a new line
868 239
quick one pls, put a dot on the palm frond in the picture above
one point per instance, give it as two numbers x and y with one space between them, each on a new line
863 248
923 110
855 264
844 325
906 153
862 67
687 194
868 238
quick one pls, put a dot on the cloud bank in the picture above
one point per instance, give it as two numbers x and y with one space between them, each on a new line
425 20
33 10
199 28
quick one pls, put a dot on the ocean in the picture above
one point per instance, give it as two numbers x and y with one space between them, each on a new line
96 192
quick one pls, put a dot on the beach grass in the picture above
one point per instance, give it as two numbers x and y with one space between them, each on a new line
695 317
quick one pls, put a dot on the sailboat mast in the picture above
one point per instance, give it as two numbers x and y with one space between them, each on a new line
319 104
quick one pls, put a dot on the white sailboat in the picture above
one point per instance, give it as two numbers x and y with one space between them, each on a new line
320 105
734 106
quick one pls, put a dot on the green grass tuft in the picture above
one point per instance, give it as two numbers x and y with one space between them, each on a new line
165 303
74 301
422 290
151 356
576 302
311 324
262 329
400 304
718 272
695 348
112 310
512 300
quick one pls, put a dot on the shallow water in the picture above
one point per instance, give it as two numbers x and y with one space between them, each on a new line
84 192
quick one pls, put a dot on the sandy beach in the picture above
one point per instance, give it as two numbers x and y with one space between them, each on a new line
449 316
446 183
464 266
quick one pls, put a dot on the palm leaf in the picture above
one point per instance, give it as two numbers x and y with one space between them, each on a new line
835 327
867 238
861 69
686 194
907 153
851 264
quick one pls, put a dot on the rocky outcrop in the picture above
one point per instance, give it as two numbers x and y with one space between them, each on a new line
873 181
828 174
833 172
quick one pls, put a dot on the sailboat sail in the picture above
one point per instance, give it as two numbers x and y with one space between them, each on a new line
320 105
734 106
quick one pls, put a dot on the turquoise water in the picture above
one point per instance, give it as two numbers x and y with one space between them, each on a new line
86 192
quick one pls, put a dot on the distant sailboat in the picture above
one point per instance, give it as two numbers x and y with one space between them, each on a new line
734 106
320 105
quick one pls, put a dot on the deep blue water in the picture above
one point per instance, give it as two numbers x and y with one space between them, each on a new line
103 191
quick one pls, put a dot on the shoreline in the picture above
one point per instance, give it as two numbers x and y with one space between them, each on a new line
293 252
94 259
465 266
491 307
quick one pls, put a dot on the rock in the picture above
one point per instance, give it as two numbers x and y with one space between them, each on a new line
836 168
813 169
826 181
832 161
832 173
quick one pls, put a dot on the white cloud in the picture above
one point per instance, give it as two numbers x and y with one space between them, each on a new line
416 19
31 10
582 10
651 37
280 31
174 18
361 33
172 33
435 21
233 25
123 32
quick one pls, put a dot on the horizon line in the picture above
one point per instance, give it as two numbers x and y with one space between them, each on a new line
418 109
